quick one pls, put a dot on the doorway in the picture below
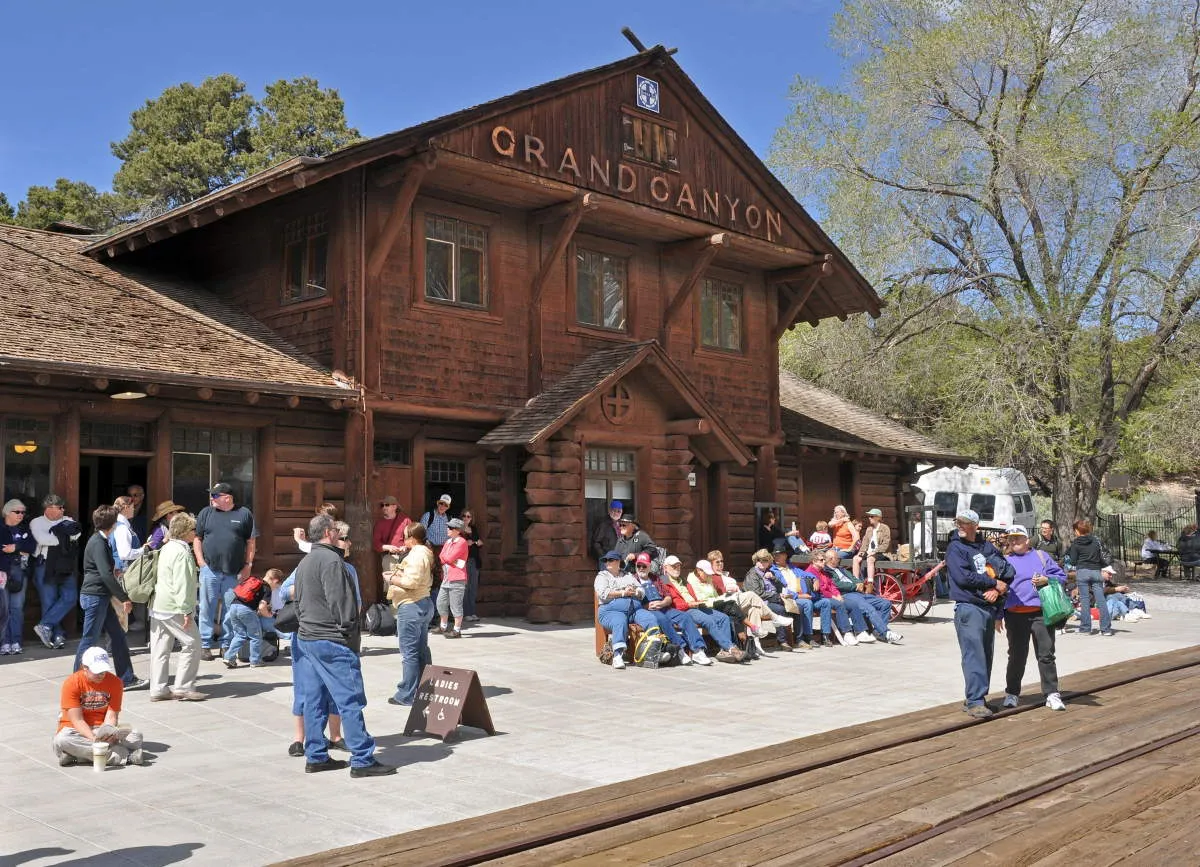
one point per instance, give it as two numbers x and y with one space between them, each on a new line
103 478
444 476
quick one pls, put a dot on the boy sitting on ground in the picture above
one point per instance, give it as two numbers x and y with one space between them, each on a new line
91 704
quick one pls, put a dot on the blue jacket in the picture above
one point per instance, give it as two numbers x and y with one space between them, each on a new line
966 563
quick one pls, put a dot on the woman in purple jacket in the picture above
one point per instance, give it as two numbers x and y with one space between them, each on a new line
1022 616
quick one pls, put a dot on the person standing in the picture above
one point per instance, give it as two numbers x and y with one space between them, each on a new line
224 547
976 595
844 533
96 594
1021 617
607 531
16 545
1048 541
55 568
1086 556
137 520
453 558
127 547
173 615
437 522
161 519
387 537
408 590
328 668
474 564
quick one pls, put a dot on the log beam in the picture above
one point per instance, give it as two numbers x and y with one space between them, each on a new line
390 175
564 210
799 299
689 426
706 252
416 169
697 245
574 212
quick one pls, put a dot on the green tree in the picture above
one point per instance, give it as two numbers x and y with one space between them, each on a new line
189 141
298 118
72 202
6 210
1017 176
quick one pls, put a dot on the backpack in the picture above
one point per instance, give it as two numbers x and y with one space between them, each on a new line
140 576
648 651
62 560
379 619
248 591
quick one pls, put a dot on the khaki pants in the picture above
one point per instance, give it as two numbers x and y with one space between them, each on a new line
163 634
70 742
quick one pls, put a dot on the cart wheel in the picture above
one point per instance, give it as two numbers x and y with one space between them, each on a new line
891 590
920 602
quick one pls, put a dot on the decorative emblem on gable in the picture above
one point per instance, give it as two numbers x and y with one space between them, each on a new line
617 404
647 94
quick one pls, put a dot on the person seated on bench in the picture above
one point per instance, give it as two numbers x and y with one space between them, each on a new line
770 586
620 598
702 614
759 619
829 604
862 606
1188 547
797 593
876 544
677 625
1150 550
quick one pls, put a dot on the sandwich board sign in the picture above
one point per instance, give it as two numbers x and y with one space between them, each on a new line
446 699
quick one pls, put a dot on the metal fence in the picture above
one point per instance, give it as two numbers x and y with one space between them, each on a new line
1124 534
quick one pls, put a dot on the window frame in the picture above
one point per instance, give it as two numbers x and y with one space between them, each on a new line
630 117
490 220
980 509
456 248
725 281
607 252
609 476
316 227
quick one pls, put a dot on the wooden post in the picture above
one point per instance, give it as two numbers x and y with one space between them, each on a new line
798 300
158 486
66 460
358 509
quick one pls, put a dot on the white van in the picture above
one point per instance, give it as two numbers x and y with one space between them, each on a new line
1001 496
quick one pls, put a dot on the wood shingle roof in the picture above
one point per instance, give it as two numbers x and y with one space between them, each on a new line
67 313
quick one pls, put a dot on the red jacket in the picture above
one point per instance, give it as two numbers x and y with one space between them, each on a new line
390 532
825 585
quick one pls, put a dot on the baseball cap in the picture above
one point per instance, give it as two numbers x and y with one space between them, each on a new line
220 488
628 519
616 504
455 524
705 567
643 559
1017 530
874 513
672 561
611 555
389 501
445 498
968 516
97 661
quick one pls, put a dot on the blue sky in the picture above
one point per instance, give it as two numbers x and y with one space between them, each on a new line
77 69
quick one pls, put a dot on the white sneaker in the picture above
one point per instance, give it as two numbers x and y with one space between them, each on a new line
135 758
684 659
849 639
893 637
1054 702
762 651
5 649
15 649
701 658
865 637
1145 614
45 634
782 622
1010 700
618 661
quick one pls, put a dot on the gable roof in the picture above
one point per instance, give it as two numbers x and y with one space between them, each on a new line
817 417
546 413
851 292
66 313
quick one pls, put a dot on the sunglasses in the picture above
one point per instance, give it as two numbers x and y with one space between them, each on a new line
17 512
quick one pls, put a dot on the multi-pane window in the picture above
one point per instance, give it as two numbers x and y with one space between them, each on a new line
26 464
721 315
392 453
201 457
600 289
649 141
455 261
114 436
608 474
306 258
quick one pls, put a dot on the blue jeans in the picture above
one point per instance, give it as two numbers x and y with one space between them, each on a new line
716 623
412 635
1091 587
976 630
14 624
1118 604
99 617
332 674
213 586
830 609
245 625
803 620
616 615
472 588
298 697
876 610
58 599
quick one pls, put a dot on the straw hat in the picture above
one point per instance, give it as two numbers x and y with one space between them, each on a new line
167 507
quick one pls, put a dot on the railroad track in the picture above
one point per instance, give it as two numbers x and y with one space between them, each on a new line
930 787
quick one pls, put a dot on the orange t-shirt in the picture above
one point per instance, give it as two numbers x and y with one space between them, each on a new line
844 536
93 698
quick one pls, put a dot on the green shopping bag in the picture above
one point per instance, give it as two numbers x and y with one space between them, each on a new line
1056 606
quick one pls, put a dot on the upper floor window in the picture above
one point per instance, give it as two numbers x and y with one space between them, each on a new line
600 289
306 257
649 141
721 315
455 261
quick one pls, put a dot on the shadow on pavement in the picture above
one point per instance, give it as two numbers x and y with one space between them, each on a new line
33 855
146 856
228 688
493 691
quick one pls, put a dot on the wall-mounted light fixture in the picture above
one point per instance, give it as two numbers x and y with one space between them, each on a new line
26 448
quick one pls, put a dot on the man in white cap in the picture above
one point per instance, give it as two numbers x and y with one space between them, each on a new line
91 704
975 568
436 522
876 543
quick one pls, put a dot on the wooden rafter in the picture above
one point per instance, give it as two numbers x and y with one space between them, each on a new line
814 273
571 213
415 171
706 250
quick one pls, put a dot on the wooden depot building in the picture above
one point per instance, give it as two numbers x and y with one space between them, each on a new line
570 294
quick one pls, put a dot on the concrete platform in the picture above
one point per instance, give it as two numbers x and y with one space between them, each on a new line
223 788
